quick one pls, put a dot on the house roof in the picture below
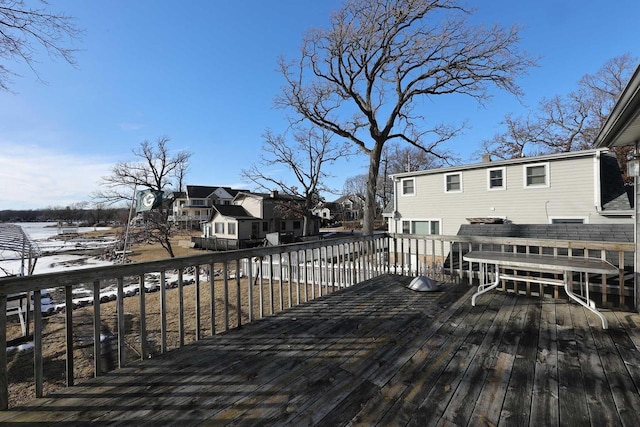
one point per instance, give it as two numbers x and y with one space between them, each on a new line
233 211
499 163
587 232
205 191
622 127
272 196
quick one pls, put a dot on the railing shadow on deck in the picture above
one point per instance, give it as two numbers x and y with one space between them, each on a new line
219 291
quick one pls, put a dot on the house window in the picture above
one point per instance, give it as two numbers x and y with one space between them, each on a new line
197 202
296 225
255 229
265 226
496 179
283 225
568 220
219 227
536 175
453 182
421 227
231 228
408 187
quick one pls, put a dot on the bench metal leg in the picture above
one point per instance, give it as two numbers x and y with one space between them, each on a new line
586 303
485 287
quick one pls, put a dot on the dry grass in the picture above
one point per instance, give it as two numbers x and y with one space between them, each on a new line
20 363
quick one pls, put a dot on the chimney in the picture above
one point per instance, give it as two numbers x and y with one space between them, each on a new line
273 194
486 158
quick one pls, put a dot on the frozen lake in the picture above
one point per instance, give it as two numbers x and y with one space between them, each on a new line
54 258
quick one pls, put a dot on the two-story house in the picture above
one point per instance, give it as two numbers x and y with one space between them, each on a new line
576 187
196 203
252 216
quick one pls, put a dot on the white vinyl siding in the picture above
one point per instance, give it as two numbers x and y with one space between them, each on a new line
570 195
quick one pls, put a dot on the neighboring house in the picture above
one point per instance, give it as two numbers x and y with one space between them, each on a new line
252 216
576 187
348 208
196 204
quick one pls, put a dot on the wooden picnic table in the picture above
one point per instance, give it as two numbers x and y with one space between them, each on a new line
558 264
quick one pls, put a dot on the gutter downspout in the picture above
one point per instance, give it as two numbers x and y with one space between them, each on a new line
636 256
597 190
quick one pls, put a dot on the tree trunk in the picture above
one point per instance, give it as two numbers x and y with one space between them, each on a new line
372 183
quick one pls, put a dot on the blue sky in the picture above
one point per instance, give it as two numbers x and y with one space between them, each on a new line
204 74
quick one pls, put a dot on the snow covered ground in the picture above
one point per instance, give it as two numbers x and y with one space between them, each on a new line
54 259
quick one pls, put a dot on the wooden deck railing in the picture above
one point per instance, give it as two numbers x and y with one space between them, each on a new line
241 286
215 292
441 257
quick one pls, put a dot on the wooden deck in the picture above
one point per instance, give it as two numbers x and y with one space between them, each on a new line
378 353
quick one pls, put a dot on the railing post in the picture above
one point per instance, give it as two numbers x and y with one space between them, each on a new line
250 288
238 295
197 301
37 342
180 309
121 328
143 319
225 274
97 332
212 298
163 311
4 374
68 322
261 294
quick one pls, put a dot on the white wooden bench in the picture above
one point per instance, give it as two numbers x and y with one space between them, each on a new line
544 264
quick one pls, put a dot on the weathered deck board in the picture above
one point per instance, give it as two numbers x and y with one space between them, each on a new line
380 354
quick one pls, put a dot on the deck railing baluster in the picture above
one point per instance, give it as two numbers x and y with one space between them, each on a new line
163 311
143 320
197 301
97 330
225 275
121 326
68 322
37 342
180 309
4 373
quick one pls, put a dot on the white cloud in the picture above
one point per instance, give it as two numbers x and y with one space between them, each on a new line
34 177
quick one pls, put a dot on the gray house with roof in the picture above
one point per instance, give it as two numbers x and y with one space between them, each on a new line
583 187
196 203
252 216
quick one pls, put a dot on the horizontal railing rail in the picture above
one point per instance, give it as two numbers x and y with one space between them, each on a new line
225 290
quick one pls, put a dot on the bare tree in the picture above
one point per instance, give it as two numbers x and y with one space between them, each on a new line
565 123
24 29
306 156
363 76
155 169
